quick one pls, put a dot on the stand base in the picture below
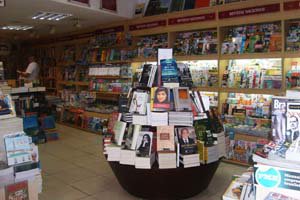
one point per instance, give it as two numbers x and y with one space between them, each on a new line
164 183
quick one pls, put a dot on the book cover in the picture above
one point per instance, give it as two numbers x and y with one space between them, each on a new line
279 119
144 78
17 191
138 102
18 149
189 4
7 108
187 140
293 121
169 71
160 99
156 7
165 138
119 130
185 77
182 99
139 10
177 5
144 144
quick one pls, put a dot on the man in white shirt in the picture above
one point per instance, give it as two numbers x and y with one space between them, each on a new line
32 72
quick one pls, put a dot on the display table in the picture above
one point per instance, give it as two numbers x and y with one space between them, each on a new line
164 183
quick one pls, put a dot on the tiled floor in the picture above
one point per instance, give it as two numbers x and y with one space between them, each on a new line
74 168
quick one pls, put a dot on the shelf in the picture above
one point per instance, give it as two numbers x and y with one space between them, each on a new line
50 88
251 56
292 55
49 78
110 77
107 93
144 60
197 57
276 92
235 162
110 62
80 83
96 114
206 89
77 127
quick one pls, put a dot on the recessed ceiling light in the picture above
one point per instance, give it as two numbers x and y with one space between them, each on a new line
50 16
16 27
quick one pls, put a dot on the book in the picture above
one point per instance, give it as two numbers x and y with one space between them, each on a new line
156 7
138 102
185 77
169 71
139 10
145 75
187 140
165 138
7 109
202 3
144 144
176 5
182 99
17 191
189 4
132 138
160 99
119 131
18 149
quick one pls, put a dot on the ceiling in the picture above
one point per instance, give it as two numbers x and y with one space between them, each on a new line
19 12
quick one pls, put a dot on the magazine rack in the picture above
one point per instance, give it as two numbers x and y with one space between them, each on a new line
158 183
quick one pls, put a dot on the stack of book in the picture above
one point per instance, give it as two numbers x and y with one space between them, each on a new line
166 159
113 152
191 160
127 157
208 154
144 162
107 140
6 175
181 118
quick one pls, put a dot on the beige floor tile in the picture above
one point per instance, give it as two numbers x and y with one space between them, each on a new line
92 185
73 175
88 198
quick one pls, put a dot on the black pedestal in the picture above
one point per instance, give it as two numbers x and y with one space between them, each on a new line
164 183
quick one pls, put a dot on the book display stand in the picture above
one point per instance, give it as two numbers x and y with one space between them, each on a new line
156 183
168 140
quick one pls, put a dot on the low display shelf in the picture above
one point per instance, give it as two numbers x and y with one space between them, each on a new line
156 183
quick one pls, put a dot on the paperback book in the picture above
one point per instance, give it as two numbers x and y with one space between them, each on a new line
160 99
165 138
187 140
144 144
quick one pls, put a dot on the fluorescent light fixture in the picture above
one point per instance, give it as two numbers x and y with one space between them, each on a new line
50 16
16 27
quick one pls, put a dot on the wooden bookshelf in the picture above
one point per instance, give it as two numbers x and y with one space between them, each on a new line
109 77
197 57
277 92
79 83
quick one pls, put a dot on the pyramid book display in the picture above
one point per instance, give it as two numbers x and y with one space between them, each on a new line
172 126
20 173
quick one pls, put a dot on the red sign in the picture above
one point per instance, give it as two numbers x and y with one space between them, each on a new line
292 5
250 11
111 30
191 19
147 25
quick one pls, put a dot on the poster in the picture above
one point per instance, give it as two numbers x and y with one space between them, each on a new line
110 5
80 2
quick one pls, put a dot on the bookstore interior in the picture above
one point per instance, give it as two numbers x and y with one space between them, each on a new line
150 99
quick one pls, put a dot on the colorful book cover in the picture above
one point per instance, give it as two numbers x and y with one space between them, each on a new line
169 72
279 119
17 191
165 138
160 99
7 108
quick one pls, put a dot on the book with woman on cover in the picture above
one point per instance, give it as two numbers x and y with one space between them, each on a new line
144 144
160 99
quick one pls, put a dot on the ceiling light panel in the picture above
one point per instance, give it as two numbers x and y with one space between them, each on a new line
50 16
16 27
